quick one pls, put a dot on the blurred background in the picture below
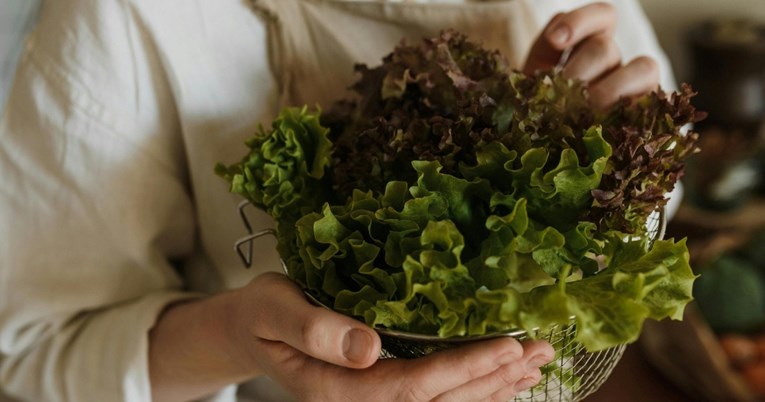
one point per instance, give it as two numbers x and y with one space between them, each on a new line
672 19
718 352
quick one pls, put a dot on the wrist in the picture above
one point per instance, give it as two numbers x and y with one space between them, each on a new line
236 324
193 350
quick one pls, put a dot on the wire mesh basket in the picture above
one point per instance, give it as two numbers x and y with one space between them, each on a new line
574 373
571 376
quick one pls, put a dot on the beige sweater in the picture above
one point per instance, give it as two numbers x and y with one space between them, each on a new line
109 208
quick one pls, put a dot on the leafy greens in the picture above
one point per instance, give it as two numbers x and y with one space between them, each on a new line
456 197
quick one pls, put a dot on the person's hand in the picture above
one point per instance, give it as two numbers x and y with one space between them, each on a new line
589 33
320 355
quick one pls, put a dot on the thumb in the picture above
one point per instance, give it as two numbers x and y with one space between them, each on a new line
282 313
567 30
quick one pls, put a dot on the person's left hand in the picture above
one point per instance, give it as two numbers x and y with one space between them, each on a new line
322 355
595 58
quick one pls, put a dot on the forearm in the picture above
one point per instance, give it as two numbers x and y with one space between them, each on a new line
194 352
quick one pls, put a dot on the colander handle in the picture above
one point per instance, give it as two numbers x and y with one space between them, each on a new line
245 253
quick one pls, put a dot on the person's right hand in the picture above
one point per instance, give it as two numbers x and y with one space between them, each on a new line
320 355
589 33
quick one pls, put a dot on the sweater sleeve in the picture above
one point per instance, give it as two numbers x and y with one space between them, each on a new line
636 37
95 212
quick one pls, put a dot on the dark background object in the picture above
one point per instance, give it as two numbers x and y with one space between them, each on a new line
728 71
728 171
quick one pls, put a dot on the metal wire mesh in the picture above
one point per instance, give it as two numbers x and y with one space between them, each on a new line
574 374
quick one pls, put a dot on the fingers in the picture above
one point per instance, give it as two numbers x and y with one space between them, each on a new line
305 377
416 380
638 77
480 389
301 341
595 57
505 394
506 381
568 30
280 312
443 371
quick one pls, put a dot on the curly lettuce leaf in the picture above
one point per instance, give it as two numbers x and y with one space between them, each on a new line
650 149
445 98
282 172
436 101
611 306
400 260
456 197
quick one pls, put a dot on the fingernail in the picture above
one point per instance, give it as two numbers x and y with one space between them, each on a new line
526 383
356 345
537 362
560 34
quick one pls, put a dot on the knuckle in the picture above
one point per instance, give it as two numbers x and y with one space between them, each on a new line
536 375
605 45
601 42
471 367
471 364
412 391
557 18
509 375
267 278
514 348
602 96
605 8
614 55
542 347
557 21
413 386
282 354
647 65
529 381
312 333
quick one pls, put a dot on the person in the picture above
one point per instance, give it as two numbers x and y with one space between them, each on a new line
118 281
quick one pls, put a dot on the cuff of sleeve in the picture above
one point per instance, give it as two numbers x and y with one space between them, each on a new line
100 356
137 319
675 200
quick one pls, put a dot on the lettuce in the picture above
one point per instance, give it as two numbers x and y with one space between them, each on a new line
399 260
283 171
456 197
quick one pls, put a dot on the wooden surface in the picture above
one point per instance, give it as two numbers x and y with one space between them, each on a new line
687 351
635 380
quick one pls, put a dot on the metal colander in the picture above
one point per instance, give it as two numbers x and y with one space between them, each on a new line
571 376
574 374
